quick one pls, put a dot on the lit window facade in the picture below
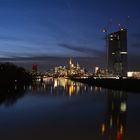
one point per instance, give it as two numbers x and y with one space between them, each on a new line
117 53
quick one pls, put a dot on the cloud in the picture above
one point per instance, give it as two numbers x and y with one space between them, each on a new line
82 49
46 63
7 38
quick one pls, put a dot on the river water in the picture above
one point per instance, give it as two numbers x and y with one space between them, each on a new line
67 110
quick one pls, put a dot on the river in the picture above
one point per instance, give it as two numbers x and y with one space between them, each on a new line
66 110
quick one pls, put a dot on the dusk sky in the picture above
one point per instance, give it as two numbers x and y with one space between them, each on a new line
66 28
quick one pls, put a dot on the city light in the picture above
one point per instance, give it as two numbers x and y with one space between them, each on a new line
123 107
103 128
123 52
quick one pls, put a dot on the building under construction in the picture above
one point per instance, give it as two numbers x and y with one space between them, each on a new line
117 53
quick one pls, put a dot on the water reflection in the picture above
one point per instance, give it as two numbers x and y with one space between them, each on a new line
114 126
61 86
68 110
10 95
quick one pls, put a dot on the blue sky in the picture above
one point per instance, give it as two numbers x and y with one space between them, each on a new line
34 28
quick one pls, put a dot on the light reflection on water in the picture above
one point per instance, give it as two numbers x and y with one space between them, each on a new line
61 86
63 109
114 126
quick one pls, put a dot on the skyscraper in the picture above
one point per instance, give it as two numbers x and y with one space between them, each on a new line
117 52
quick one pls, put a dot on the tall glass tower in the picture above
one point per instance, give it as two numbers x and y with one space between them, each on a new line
117 53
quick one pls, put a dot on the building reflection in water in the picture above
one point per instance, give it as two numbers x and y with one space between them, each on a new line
62 86
114 126
66 87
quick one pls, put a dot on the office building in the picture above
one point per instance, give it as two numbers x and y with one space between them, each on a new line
117 53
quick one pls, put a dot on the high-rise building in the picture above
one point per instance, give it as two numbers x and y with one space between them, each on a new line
117 53
34 69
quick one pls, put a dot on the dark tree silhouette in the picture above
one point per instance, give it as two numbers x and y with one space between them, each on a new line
11 74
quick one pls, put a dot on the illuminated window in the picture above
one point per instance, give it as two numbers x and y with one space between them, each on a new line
123 52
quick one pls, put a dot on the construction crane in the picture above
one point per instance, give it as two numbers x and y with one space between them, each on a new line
106 31
125 23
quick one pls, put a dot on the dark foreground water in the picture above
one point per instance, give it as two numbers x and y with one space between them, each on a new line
66 110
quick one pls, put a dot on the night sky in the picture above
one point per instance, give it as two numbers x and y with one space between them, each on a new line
66 28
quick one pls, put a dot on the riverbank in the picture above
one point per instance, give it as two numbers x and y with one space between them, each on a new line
117 84
11 75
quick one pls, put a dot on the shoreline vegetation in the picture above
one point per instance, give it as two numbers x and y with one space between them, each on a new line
13 83
115 84
11 75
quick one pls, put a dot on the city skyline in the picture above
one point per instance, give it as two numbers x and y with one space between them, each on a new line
66 28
